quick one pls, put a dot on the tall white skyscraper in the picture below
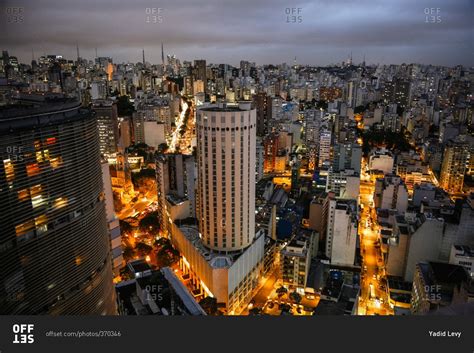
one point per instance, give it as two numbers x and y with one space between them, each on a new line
226 151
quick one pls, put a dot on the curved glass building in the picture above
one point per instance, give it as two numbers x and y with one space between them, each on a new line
54 245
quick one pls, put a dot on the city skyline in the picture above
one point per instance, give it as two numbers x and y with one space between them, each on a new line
227 185
394 33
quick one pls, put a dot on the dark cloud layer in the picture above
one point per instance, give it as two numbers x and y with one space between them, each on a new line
385 31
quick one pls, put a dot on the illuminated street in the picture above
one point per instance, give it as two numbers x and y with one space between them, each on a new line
373 297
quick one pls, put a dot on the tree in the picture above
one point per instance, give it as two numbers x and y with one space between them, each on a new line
125 227
145 178
209 304
165 257
128 253
359 109
322 104
143 249
281 291
296 297
162 147
150 223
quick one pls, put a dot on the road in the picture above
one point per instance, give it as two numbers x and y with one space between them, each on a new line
373 297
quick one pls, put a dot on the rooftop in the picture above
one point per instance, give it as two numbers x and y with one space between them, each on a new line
215 259
27 105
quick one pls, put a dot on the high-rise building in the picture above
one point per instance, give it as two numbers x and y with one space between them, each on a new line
397 91
225 257
341 237
226 176
455 157
112 220
54 245
414 238
438 285
107 124
324 153
175 182
347 156
200 72
263 105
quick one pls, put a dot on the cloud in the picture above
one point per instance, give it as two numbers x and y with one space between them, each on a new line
228 31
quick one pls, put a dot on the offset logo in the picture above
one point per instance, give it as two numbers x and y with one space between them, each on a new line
23 333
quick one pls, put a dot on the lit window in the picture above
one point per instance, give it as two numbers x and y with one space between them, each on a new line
24 228
9 170
55 162
37 201
60 202
41 224
32 169
36 190
51 140
39 156
23 195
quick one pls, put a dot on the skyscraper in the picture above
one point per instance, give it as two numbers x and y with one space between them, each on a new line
107 124
175 184
226 176
263 105
200 71
54 244
455 157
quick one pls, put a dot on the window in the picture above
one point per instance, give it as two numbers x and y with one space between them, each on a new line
9 169
23 195
55 162
32 169
25 230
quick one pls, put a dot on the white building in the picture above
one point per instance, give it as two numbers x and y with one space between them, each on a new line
345 184
226 137
391 193
382 161
154 133
341 236
230 278
415 239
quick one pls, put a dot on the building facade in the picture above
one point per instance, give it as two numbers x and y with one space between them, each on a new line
54 245
226 176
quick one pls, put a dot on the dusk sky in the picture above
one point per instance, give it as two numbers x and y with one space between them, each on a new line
222 31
